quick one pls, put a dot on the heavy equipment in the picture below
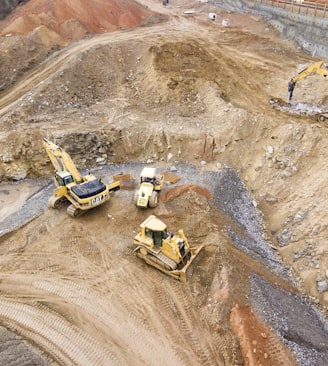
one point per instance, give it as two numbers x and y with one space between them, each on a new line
150 185
323 118
163 250
83 192
319 68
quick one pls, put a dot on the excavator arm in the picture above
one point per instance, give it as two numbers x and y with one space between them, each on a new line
318 68
61 160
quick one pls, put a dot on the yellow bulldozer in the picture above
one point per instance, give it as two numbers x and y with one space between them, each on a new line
150 185
163 250
83 192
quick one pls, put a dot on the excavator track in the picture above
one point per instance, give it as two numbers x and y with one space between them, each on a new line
56 202
74 211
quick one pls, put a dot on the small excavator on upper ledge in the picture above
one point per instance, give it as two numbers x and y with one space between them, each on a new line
319 68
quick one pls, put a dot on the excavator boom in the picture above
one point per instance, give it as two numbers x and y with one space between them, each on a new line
318 68
61 160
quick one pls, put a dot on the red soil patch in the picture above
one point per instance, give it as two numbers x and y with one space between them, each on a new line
94 16
258 344
179 190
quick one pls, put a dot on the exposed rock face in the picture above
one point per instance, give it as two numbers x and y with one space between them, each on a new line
303 22
7 6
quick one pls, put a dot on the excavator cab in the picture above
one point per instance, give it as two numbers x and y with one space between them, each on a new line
64 178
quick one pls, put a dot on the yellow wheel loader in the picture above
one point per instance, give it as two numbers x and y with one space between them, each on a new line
83 192
163 250
149 187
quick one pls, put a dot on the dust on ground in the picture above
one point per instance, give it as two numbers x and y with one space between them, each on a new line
201 92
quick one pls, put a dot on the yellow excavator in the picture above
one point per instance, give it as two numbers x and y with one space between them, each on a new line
163 250
83 192
319 68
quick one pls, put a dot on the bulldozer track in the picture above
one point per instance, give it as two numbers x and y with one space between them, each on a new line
202 350
279 354
174 299
143 343
181 349
43 263
171 264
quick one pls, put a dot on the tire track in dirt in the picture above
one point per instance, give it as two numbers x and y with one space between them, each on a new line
203 348
260 347
174 299
65 342
118 316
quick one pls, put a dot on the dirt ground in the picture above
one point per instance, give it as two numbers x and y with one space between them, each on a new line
140 84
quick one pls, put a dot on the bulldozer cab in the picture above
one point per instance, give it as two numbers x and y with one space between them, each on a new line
157 236
64 178
154 229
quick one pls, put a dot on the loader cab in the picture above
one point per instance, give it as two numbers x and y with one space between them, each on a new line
64 178
148 175
148 180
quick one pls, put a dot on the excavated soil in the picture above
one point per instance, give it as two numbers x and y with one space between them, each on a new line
134 84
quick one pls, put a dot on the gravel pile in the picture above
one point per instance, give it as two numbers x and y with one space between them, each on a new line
34 206
295 320
14 351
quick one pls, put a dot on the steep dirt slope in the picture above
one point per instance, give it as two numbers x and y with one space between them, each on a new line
73 19
40 27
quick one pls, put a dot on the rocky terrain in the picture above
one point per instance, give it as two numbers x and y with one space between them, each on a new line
7 6
140 84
